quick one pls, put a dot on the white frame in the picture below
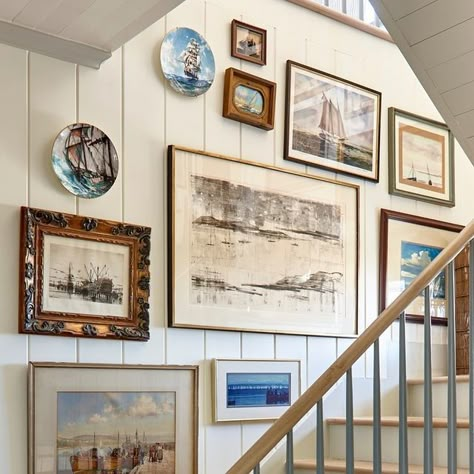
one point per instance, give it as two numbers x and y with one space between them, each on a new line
222 367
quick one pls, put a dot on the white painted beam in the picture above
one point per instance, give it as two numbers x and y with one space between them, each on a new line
50 45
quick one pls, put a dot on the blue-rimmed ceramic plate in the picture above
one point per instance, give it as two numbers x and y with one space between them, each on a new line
187 62
85 160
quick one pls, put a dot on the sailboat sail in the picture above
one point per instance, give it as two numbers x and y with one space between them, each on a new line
331 119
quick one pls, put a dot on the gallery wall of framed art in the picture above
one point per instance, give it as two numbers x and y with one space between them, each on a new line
129 100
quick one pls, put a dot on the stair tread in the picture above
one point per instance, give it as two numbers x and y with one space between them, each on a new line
439 379
361 467
413 421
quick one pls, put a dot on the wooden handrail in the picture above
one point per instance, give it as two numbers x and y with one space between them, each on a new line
329 378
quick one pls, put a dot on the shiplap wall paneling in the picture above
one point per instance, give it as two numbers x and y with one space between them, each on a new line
221 135
144 171
52 106
100 104
13 185
221 345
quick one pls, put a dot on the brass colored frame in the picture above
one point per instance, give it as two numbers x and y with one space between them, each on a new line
76 366
171 238
35 224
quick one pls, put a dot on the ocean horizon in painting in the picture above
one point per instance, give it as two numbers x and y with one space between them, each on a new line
126 432
258 389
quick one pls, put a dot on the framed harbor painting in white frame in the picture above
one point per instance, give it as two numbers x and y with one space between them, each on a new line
254 389
331 123
421 158
228 218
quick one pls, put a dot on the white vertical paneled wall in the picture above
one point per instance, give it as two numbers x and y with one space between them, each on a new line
129 100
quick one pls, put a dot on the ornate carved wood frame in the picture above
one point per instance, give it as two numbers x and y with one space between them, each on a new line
83 277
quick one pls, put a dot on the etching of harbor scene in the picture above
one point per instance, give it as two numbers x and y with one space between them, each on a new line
116 432
265 250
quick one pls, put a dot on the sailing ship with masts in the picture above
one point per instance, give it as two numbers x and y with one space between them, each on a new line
191 57
332 131
90 153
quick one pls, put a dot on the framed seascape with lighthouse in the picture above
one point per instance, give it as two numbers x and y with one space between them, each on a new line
331 123
421 158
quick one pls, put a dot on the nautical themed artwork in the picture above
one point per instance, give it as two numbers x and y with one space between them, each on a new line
257 390
107 418
83 276
86 277
249 99
408 244
249 42
254 389
187 62
331 123
116 431
85 160
237 225
421 158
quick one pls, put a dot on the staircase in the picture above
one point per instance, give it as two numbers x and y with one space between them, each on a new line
433 430
363 428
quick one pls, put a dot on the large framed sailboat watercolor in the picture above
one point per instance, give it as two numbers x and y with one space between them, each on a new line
331 123
421 158
258 248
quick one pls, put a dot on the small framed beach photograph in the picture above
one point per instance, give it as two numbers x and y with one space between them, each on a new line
421 158
408 244
85 418
83 276
331 123
254 389
249 99
249 42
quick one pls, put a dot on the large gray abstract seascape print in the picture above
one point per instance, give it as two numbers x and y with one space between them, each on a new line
263 250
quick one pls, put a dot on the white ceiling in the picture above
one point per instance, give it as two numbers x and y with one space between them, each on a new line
80 31
437 39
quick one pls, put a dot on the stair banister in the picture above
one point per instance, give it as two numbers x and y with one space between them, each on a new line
330 377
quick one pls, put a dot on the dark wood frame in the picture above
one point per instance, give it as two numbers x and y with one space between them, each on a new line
385 216
235 78
254 29
35 224
33 414
171 172
392 159
344 82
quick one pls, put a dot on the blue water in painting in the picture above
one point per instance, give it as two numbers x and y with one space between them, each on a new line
78 184
188 86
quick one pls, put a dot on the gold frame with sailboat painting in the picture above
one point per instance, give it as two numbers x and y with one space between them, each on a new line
331 123
421 158
228 218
